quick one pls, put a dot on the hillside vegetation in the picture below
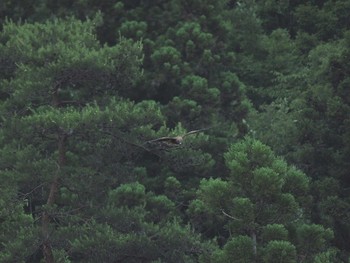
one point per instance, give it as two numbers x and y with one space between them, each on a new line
93 94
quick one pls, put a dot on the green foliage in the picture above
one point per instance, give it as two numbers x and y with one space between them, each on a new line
282 54
267 179
82 145
161 208
57 59
238 249
312 239
326 257
279 251
129 195
184 60
274 232
18 236
296 182
133 29
261 197
243 213
311 19
248 152
213 192
86 85
128 235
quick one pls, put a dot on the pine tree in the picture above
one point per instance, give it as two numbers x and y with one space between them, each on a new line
262 199
72 150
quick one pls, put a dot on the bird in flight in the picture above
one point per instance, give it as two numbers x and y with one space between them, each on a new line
173 141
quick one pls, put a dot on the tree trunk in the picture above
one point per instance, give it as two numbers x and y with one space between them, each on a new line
47 247
253 235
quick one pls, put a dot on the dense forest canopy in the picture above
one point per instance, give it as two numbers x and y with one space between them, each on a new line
94 96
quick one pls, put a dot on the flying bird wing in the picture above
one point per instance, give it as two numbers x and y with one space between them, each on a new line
163 139
195 131
173 141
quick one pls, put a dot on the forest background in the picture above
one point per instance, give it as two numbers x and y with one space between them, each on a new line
84 84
